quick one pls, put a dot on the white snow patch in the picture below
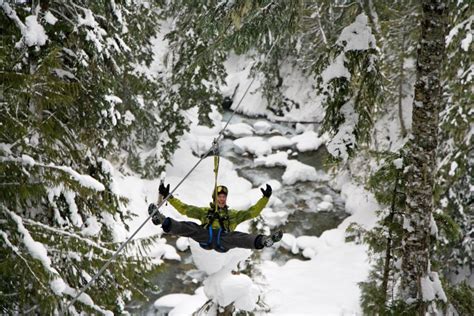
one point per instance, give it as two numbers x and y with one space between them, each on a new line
262 127
34 34
58 286
181 304
253 144
93 226
357 36
431 288
50 18
336 69
85 180
36 249
344 139
274 219
128 118
27 160
278 142
398 163
298 171
309 140
182 243
276 159
222 286
240 130
452 170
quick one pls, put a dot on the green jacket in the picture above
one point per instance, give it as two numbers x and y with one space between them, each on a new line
235 217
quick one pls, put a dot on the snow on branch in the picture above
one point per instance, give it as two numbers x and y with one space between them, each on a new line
17 252
68 234
357 36
431 288
466 24
13 16
33 33
345 138
85 180
36 249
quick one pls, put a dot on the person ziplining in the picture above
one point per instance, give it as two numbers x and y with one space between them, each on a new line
219 236
217 231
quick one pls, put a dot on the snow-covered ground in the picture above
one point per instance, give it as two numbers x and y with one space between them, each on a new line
324 284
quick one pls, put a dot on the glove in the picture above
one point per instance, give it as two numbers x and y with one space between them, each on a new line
267 192
164 190
151 208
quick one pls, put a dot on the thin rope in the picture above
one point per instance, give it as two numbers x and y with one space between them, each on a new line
213 147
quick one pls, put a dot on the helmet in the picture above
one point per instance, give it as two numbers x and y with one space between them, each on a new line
220 189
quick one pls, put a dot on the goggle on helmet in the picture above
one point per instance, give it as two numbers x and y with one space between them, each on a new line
220 189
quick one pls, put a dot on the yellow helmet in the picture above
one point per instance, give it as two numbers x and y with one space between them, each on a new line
220 189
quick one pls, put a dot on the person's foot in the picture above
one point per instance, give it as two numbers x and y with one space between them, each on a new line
268 241
157 218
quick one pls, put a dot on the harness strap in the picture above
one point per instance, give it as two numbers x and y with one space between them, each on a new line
209 241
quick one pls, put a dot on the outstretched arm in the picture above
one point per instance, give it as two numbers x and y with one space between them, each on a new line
252 212
256 209
186 209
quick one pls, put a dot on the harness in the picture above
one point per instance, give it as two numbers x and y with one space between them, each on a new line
224 224
223 219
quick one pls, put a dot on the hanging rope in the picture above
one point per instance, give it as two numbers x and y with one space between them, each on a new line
216 170
214 148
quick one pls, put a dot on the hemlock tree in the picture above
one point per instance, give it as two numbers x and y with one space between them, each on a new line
453 197
397 34
420 286
72 99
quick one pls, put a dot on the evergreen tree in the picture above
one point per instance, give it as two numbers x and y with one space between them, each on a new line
453 199
385 240
397 33
72 99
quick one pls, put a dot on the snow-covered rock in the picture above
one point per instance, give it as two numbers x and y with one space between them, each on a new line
277 159
253 144
274 219
182 243
309 140
262 127
222 286
278 142
240 130
298 171
181 304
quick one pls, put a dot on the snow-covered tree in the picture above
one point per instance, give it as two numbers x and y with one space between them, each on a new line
453 196
397 30
73 97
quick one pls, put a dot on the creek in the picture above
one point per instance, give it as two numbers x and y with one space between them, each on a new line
300 200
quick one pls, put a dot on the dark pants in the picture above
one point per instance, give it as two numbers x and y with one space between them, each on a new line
216 239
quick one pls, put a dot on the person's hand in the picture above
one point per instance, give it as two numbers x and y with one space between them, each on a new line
267 192
164 190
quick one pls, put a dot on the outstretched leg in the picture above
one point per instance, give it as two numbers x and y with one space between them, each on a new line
236 239
185 229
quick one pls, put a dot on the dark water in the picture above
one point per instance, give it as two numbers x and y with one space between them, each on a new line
300 200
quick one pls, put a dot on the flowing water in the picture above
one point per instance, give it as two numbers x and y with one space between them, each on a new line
300 200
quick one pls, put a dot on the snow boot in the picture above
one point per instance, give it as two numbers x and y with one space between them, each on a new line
268 241
157 218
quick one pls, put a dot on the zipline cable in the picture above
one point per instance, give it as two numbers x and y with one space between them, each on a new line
215 143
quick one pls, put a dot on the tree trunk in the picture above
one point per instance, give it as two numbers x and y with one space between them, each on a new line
420 157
